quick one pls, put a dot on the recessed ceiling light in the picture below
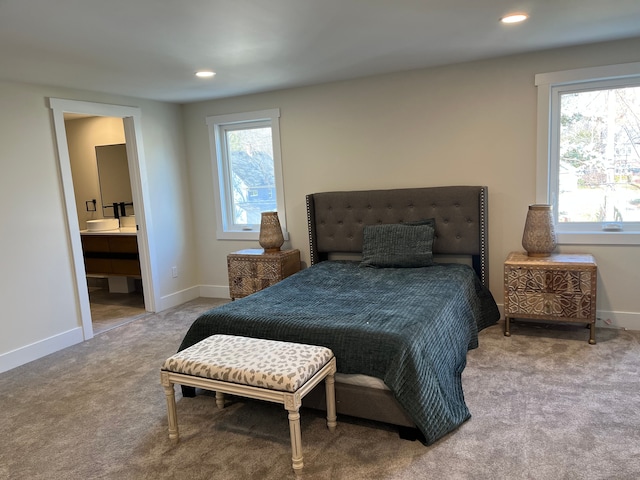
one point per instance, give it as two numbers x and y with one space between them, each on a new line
205 74
514 18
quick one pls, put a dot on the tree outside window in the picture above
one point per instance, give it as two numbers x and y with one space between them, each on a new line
252 173
599 156
245 149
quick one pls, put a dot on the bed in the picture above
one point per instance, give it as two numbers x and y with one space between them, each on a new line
397 288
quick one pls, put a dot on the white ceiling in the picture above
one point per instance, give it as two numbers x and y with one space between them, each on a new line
151 48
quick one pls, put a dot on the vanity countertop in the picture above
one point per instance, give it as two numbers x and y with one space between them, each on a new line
117 231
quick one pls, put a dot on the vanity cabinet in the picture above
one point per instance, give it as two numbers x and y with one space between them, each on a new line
111 254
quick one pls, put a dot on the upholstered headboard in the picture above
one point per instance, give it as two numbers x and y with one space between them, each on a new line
336 220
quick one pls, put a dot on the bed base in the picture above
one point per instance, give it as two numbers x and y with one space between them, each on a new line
363 402
353 400
357 401
368 403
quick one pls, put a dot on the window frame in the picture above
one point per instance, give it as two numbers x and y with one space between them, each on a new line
217 125
550 86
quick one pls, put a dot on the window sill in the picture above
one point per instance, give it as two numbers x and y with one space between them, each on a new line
598 238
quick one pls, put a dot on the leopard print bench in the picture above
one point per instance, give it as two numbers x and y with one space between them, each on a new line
279 372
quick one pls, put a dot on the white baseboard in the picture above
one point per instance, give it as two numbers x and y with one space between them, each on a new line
624 320
214 291
39 349
191 293
608 319
177 298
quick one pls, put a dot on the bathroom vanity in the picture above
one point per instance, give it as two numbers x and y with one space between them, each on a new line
112 252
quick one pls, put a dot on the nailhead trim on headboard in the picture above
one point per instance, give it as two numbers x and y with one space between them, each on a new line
311 228
484 236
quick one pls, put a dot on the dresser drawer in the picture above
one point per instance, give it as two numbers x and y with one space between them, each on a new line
256 269
575 307
242 286
520 279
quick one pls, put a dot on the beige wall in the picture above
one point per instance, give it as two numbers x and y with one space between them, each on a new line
33 241
40 310
472 123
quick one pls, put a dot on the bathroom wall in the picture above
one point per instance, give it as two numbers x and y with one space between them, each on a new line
83 134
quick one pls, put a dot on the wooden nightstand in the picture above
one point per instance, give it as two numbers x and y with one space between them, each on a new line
559 287
252 270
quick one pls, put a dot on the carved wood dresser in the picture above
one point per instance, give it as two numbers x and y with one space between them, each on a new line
558 287
252 270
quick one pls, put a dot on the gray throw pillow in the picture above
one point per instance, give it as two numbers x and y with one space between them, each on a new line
397 245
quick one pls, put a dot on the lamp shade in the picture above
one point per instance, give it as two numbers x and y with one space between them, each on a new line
271 238
539 237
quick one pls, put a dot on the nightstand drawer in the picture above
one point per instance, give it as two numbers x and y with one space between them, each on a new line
520 279
256 270
575 307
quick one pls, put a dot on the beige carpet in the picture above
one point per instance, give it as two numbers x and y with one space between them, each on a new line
545 405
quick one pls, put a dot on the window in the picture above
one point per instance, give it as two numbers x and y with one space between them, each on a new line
589 153
245 149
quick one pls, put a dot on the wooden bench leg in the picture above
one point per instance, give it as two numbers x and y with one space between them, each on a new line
296 440
220 400
330 391
174 435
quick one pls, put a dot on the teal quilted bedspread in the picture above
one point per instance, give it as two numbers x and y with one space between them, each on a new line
411 327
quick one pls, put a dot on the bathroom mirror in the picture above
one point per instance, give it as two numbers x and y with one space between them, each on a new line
113 175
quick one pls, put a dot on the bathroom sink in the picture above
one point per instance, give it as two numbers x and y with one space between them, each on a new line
102 224
128 221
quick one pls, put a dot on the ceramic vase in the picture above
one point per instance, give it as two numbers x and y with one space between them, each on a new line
271 238
539 237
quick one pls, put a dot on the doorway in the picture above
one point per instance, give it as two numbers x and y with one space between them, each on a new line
102 189
130 118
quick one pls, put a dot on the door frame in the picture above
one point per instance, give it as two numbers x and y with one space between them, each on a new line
139 189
